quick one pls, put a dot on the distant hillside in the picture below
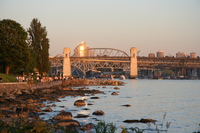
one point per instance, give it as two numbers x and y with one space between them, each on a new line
8 78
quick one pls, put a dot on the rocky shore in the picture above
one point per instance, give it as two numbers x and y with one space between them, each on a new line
25 101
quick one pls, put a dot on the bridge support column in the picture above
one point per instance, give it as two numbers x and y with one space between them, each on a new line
66 63
133 63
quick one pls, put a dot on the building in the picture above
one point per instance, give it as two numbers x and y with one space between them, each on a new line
181 55
193 55
81 50
160 53
151 55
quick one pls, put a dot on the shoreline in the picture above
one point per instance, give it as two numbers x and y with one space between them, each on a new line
26 103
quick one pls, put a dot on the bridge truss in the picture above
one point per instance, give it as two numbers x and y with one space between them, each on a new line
85 64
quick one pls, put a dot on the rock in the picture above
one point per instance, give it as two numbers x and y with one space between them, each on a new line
94 97
81 116
116 88
88 126
140 121
41 113
147 120
80 103
90 104
104 87
114 93
69 123
127 105
86 109
30 100
131 121
20 110
63 116
98 112
48 110
18 92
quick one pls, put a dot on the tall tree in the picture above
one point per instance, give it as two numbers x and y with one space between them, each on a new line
14 51
39 43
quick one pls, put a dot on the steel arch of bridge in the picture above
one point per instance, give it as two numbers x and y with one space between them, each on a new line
111 52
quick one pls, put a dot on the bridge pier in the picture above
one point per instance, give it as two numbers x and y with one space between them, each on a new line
133 63
66 63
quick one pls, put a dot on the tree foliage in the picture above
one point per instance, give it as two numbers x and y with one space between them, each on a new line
14 50
39 43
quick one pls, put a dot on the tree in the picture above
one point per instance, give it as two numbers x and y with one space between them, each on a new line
14 52
39 43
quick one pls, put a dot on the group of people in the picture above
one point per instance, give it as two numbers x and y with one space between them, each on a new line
21 79
55 78
30 79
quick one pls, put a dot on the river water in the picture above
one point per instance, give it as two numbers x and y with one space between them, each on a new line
150 99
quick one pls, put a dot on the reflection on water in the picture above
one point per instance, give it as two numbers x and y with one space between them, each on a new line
179 99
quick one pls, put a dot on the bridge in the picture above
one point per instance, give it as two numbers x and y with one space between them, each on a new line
88 59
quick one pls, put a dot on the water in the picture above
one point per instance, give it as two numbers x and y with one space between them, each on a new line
150 99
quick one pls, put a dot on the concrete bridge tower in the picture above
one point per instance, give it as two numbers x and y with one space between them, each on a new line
133 63
66 63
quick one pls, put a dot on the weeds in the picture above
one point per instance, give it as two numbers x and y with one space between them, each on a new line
102 127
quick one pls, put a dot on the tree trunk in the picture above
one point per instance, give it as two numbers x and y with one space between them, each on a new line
7 69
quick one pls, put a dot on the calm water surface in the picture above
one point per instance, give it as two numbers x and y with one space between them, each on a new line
150 99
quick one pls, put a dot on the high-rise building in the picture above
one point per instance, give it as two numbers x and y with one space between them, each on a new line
160 53
181 55
151 55
81 50
193 55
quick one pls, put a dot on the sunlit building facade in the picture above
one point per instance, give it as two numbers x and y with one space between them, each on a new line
82 50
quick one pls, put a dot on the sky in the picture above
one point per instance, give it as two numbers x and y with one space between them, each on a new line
149 25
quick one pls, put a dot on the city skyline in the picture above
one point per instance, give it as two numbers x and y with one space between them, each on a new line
150 26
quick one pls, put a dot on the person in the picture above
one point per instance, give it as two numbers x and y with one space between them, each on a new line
38 79
1 79
17 79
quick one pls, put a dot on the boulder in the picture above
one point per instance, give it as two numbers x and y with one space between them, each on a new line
86 109
63 116
127 105
79 103
147 120
94 97
69 123
114 93
132 121
81 116
116 88
48 110
98 112
89 126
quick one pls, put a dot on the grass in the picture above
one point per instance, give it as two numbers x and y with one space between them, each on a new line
8 77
